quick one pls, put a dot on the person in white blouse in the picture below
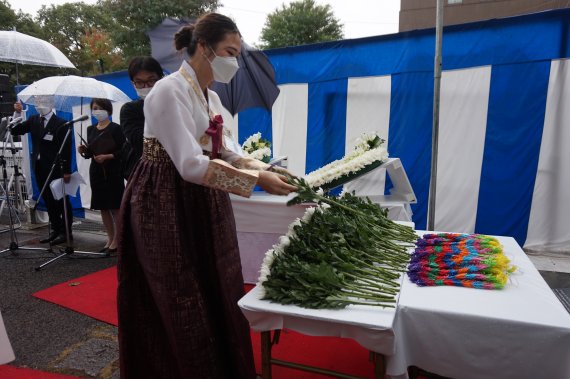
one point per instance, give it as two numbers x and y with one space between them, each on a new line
179 265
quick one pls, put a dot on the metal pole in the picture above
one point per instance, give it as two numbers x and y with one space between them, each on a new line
17 72
435 124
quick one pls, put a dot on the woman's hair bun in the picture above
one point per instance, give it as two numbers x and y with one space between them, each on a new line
183 37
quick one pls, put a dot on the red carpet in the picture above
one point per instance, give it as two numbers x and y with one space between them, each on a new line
11 372
95 295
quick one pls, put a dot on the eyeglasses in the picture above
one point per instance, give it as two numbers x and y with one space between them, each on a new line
145 83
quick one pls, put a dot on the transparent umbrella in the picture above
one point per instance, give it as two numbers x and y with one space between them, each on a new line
70 91
21 48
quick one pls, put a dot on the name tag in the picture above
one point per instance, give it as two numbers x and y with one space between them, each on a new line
48 137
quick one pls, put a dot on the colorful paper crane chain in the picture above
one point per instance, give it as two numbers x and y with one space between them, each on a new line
464 260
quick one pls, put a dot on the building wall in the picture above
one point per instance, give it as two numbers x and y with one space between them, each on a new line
420 14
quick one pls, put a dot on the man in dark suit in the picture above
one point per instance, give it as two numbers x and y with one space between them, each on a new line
144 73
48 133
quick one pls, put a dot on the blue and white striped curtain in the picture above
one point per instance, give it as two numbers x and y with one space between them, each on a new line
503 165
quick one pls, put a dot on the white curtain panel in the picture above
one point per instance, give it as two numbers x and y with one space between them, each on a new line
289 125
548 228
367 108
463 120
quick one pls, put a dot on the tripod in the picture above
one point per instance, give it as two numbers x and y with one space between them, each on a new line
5 186
68 250
15 181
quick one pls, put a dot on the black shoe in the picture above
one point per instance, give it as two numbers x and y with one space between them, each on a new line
52 236
59 239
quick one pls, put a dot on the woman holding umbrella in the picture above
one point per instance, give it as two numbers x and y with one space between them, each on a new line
104 143
179 265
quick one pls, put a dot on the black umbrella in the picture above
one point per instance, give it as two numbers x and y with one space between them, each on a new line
162 43
253 85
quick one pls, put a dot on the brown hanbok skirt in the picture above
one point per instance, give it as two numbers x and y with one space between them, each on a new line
179 278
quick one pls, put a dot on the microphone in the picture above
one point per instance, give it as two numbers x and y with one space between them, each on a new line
80 118
14 121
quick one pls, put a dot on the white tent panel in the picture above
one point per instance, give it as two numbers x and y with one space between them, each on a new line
548 224
463 121
289 125
367 108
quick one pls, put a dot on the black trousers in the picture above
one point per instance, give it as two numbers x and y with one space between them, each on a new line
55 208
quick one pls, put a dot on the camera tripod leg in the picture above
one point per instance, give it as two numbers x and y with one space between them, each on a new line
15 247
68 250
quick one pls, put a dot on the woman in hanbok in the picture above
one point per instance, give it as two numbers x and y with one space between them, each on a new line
179 266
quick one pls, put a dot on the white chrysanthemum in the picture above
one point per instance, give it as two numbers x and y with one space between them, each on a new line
268 260
291 228
259 154
250 140
350 164
323 207
308 214
362 142
284 241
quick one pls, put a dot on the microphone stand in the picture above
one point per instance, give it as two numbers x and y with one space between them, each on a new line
12 229
68 250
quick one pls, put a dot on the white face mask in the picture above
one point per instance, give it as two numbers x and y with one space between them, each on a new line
100 114
223 68
143 92
43 110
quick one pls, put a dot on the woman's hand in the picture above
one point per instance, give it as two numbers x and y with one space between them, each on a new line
275 184
82 149
282 170
102 157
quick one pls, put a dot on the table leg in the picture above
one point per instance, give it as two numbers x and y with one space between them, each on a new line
379 365
266 355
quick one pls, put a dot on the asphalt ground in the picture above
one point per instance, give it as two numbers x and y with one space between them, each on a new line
45 336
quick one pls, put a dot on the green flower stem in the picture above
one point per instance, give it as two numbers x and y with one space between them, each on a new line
371 282
368 297
348 301
377 269
392 258
372 293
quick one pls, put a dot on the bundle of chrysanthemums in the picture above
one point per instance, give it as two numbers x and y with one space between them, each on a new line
343 251
257 147
368 154
464 260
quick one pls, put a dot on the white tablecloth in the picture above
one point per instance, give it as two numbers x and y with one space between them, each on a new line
371 326
522 331
263 218
6 353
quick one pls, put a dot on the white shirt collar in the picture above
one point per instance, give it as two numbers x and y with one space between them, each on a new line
47 116
186 66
